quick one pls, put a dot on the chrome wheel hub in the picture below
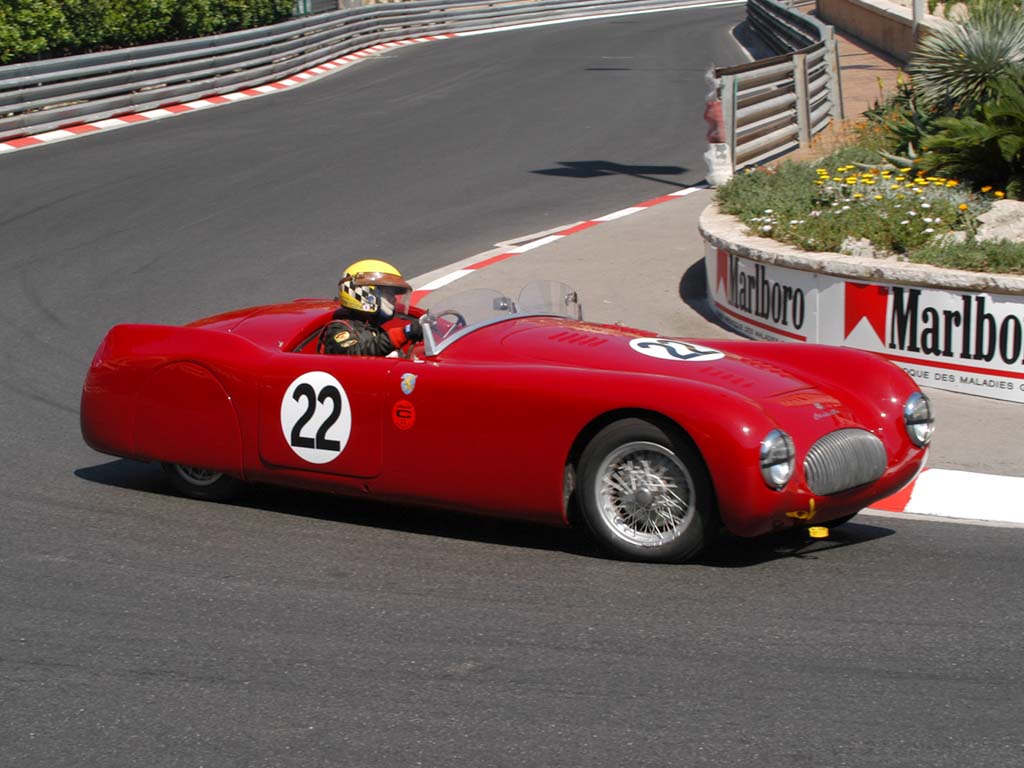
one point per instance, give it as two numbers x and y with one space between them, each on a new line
644 493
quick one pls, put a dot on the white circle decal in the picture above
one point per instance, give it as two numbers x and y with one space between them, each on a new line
670 349
315 417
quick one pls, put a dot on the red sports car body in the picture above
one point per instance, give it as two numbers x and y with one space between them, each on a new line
518 409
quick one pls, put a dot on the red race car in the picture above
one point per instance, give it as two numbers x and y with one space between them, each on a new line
518 408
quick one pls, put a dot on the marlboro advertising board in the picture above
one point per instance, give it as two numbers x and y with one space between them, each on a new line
962 341
760 300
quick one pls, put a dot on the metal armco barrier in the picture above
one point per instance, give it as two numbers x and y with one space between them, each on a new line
773 105
55 93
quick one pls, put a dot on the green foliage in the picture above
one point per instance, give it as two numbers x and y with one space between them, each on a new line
975 255
959 64
901 122
822 208
29 27
39 28
987 148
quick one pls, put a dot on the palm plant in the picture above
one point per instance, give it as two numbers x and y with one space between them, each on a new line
959 63
986 148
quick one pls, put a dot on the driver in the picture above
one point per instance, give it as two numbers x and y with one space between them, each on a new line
367 293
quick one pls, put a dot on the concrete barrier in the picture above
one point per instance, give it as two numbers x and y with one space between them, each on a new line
950 329
887 26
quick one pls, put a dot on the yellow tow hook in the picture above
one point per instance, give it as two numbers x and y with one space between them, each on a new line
814 531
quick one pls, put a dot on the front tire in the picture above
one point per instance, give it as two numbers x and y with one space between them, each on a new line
645 494
199 483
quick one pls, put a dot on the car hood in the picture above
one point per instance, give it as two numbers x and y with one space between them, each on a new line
616 348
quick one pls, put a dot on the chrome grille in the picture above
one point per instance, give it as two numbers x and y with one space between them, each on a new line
842 460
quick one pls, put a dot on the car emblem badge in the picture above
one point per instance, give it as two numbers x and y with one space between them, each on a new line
403 414
408 383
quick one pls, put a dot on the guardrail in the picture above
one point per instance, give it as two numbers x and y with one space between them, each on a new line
770 106
56 93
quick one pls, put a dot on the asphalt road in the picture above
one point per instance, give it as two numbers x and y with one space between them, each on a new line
139 628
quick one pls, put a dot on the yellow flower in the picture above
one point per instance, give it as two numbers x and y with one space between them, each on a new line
1000 195
962 206
952 183
857 195
986 189
851 179
879 197
819 182
905 170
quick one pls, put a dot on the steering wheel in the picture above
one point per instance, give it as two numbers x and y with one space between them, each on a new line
458 324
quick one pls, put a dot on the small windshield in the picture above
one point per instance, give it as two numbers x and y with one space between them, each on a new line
460 313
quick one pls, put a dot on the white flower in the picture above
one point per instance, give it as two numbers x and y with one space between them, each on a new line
929 231
768 210
846 207
904 222
926 205
766 228
927 220
815 214
911 213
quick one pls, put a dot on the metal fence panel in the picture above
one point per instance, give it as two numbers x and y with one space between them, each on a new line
43 95
773 105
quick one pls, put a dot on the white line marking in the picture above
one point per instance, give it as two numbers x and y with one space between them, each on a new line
536 244
451 277
619 214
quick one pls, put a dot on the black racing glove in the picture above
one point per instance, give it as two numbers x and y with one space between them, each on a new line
414 332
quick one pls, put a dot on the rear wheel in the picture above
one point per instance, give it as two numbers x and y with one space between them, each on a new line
199 483
645 495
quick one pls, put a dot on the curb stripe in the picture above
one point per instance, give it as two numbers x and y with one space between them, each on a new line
74 130
958 494
469 269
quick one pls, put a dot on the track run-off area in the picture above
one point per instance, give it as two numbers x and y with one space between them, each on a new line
140 628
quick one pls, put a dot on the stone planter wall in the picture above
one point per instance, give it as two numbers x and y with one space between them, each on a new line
949 329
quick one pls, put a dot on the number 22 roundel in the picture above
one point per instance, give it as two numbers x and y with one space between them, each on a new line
315 417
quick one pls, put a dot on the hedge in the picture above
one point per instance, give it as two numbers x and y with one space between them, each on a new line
34 29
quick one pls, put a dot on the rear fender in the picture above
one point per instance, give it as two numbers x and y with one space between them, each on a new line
183 415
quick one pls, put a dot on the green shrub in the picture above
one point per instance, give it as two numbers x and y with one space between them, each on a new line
901 123
987 148
818 208
39 28
959 64
977 256
30 27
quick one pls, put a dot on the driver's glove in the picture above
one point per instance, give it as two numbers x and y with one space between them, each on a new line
414 332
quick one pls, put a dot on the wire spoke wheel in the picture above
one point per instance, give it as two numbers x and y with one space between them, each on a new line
200 483
645 493
197 475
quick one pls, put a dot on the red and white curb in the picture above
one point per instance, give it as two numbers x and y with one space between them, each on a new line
461 270
171 110
964 495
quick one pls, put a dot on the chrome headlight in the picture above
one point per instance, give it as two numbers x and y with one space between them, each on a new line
918 419
778 458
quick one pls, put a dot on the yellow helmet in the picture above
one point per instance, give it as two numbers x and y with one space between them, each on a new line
371 286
